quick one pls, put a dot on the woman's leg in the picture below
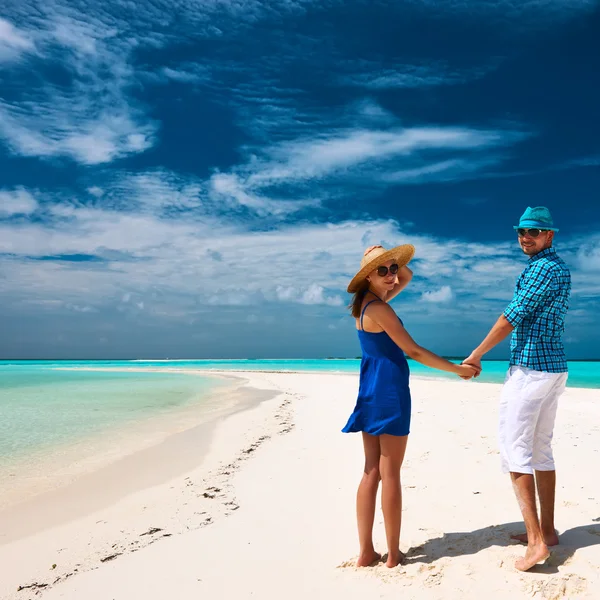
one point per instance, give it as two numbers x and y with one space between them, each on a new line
366 499
393 449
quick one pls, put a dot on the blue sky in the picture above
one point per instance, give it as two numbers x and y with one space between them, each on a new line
199 178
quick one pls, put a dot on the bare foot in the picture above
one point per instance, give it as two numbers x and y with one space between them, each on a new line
551 539
366 559
533 556
395 559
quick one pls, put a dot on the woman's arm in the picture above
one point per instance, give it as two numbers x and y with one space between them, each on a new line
386 318
404 277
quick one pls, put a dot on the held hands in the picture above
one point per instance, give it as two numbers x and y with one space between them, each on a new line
473 361
466 372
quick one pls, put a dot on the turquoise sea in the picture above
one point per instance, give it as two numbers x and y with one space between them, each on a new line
45 404
42 407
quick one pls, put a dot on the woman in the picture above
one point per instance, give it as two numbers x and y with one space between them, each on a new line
382 411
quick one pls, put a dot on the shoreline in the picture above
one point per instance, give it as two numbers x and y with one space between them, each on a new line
31 474
146 479
296 493
435 376
136 468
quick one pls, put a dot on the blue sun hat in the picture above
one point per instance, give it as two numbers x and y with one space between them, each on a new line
538 217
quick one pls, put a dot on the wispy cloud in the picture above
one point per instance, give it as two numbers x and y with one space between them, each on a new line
371 75
175 269
374 156
585 161
90 118
17 202
13 42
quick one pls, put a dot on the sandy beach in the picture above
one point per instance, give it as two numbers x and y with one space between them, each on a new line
266 509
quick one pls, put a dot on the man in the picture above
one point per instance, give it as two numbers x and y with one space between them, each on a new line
536 378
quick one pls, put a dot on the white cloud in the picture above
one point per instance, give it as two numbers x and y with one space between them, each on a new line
96 191
375 156
313 294
13 42
587 258
443 295
147 255
90 118
163 267
330 152
192 74
233 190
16 202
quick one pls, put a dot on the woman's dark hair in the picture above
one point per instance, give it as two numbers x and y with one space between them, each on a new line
357 299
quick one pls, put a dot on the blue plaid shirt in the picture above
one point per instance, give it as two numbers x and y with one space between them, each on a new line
537 312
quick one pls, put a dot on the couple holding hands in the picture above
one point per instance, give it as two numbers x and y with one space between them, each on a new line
535 380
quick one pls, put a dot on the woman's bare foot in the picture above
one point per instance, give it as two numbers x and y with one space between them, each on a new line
395 559
366 559
533 556
551 539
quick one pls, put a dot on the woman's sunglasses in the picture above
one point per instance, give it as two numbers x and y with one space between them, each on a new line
383 271
531 232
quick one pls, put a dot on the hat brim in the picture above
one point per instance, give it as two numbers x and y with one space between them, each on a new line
400 254
531 225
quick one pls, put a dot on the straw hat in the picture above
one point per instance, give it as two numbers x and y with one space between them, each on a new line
376 257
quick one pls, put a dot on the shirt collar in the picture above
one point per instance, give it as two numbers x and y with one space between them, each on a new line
542 254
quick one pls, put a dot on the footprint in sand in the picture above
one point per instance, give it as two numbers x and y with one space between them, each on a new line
555 588
434 574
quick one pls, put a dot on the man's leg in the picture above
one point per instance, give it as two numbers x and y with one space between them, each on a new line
537 550
543 463
546 488
525 391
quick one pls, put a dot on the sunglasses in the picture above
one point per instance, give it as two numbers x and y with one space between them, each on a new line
383 271
532 232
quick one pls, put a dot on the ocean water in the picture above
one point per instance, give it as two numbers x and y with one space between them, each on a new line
45 405
42 408
581 373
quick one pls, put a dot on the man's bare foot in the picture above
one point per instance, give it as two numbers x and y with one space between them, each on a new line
366 559
533 556
551 539
395 559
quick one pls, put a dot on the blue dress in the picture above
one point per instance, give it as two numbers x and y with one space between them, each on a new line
383 404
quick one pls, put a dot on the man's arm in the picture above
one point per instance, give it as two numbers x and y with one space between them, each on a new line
535 288
500 331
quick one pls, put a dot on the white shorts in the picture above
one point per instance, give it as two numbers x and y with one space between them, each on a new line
527 413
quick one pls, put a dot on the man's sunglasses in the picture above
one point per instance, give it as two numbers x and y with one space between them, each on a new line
383 271
531 232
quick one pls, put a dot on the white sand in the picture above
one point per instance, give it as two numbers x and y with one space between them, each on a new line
281 522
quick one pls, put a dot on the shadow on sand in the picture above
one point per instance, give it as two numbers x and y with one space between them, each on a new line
467 543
